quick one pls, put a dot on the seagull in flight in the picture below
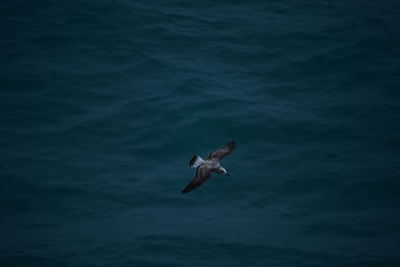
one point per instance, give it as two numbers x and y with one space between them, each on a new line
205 167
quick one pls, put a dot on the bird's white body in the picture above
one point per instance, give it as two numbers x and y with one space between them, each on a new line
211 164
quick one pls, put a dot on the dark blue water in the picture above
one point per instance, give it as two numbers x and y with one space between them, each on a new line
103 104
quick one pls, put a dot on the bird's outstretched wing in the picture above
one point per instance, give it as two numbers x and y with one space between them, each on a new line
202 174
223 151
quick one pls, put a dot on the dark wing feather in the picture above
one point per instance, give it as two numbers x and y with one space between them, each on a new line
202 174
223 151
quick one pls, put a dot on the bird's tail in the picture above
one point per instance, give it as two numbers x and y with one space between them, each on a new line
196 161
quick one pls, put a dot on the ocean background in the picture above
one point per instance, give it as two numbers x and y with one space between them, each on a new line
103 103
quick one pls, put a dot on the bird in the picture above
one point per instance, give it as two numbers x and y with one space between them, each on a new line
204 167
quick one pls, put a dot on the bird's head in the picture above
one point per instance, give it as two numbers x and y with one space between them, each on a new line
223 171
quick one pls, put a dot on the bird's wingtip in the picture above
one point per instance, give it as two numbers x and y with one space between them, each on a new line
232 143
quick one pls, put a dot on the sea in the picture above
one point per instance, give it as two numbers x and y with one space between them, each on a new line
103 103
